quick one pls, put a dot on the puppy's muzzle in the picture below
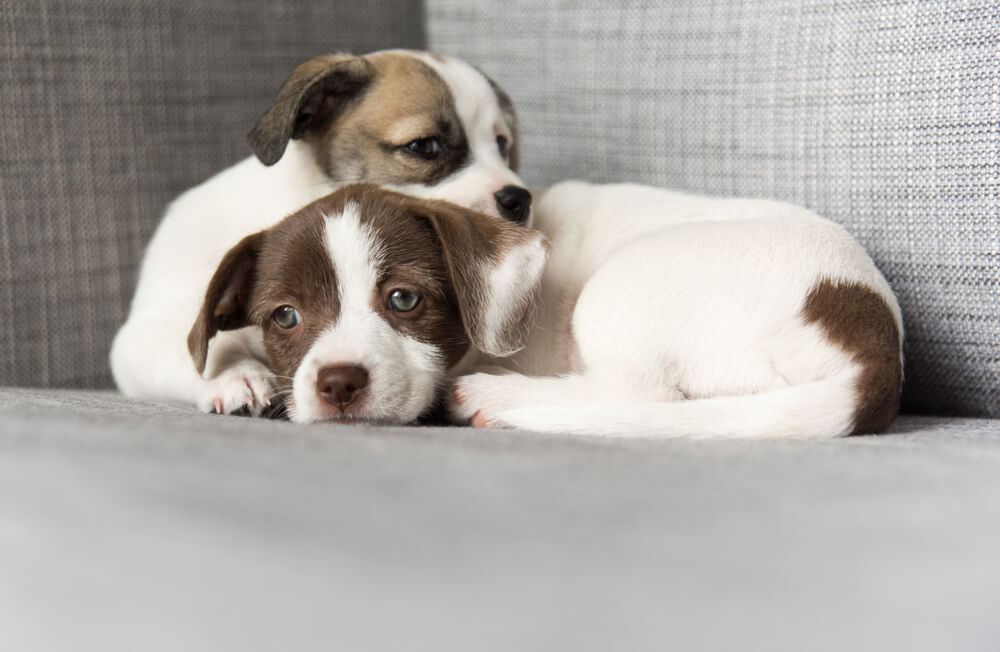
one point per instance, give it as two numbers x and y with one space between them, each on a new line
514 203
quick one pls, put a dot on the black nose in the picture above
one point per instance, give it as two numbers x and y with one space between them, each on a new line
514 203
340 385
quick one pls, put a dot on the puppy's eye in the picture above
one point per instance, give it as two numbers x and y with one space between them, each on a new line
403 300
503 145
426 148
287 317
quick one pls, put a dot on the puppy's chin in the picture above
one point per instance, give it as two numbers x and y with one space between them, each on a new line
369 417
354 420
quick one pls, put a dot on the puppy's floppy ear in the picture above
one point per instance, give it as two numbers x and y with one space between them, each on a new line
227 297
495 267
310 97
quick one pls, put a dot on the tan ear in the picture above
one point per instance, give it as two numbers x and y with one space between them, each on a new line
227 297
311 96
496 269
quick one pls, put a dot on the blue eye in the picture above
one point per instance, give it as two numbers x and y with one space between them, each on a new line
403 300
287 317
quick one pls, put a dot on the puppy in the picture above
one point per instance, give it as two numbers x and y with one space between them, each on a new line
424 124
667 314
367 298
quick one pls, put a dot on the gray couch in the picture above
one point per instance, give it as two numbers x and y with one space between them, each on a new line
135 525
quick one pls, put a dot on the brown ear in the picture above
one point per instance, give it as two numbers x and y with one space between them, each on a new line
313 95
495 267
227 297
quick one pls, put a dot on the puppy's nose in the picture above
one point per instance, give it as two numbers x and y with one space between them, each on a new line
514 203
340 385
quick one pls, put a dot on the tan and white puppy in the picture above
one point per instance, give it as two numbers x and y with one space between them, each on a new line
666 314
366 298
421 123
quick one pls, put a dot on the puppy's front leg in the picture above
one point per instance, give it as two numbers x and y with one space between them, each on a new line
236 382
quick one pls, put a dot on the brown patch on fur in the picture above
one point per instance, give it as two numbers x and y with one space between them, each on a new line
227 299
474 245
859 321
294 268
310 98
470 244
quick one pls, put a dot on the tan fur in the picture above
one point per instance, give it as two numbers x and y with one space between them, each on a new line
359 113
312 95
403 90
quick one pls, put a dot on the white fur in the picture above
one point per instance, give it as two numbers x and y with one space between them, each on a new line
149 355
670 314
506 289
403 373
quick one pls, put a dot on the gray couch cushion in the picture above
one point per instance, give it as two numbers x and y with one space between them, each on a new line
880 115
110 108
138 526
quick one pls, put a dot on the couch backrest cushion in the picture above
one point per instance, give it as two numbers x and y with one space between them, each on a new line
109 109
881 115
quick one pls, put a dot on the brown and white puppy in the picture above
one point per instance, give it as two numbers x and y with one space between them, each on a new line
367 298
423 124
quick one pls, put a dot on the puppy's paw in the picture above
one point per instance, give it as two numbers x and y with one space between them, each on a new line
244 389
477 396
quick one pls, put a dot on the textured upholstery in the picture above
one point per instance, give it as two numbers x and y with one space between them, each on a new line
108 109
882 115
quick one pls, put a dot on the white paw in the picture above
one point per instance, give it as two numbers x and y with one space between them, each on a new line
477 397
245 388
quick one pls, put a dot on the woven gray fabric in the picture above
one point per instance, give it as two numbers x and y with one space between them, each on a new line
882 115
110 108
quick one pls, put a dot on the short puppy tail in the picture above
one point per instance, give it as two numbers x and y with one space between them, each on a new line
814 410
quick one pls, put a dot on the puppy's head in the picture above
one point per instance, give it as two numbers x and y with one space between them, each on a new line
367 297
426 125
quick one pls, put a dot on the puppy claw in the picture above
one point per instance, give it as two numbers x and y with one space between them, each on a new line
242 390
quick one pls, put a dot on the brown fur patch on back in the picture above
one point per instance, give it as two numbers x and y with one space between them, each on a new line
859 321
